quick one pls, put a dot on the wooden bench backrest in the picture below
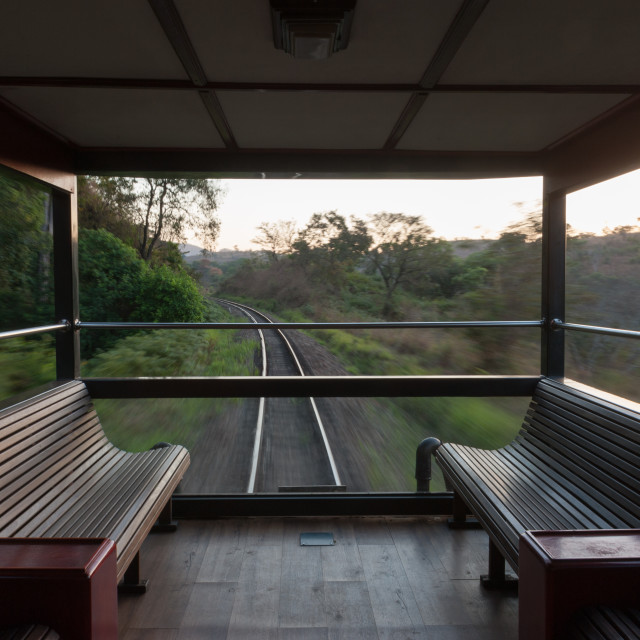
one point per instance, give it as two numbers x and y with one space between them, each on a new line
39 439
593 443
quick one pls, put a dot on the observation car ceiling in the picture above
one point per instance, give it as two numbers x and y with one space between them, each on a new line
419 77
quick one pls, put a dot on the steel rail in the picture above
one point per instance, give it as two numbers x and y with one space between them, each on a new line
587 328
455 324
18 333
332 463
257 442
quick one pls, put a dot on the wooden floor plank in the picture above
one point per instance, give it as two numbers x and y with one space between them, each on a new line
302 585
209 611
150 634
250 578
303 633
434 591
349 611
463 554
372 531
223 557
493 611
257 601
342 561
394 606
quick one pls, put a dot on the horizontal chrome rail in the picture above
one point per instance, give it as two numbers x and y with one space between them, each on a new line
19 333
587 328
464 324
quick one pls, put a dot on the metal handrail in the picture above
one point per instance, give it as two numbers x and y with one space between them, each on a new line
587 328
312 325
63 325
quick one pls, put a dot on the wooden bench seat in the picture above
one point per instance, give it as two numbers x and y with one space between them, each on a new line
574 465
60 477
31 632
605 623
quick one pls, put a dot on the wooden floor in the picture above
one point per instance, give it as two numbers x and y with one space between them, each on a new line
250 578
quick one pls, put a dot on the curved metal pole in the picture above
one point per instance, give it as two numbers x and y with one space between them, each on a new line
423 463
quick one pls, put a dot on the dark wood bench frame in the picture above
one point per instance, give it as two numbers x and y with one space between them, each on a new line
60 477
574 465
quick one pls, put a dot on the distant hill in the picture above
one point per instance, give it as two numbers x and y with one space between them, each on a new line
192 253
464 248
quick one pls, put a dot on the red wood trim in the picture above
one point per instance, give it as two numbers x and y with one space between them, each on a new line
34 152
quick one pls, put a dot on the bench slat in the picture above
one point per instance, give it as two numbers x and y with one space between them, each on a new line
574 465
597 490
33 632
31 489
529 509
607 462
61 477
605 623
572 498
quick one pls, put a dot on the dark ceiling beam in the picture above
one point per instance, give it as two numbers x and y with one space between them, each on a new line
457 33
174 29
301 87
296 163
462 24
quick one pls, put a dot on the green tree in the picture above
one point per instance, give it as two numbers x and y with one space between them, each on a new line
108 203
168 296
397 251
25 255
276 238
166 208
511 270
330 246
116 285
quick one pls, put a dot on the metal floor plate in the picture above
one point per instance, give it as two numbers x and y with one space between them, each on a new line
320 539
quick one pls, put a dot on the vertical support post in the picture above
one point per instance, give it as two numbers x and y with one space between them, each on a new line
65 269
131 583
554 242
166 523
497 577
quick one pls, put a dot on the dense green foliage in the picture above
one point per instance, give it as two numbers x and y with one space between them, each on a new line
136 425
398 270
117 285
334 269
25 255
147 213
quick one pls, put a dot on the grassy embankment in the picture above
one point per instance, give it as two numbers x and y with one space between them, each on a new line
397 425
136 425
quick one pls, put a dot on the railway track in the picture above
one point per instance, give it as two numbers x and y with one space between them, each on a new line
291 450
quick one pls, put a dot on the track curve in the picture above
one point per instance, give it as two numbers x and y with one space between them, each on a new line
291 450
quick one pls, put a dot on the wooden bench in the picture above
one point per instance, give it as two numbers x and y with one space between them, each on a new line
31 632
60 477
605 623
574 465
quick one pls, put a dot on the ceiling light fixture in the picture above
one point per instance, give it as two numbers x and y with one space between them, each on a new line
311 29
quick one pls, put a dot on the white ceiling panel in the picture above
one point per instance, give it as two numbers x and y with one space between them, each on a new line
391 42
118 118
551 42
312 120
114 38
500 122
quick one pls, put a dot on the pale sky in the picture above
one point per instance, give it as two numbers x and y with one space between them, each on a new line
453 208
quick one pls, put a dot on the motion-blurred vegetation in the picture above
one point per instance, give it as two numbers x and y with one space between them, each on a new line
386 267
